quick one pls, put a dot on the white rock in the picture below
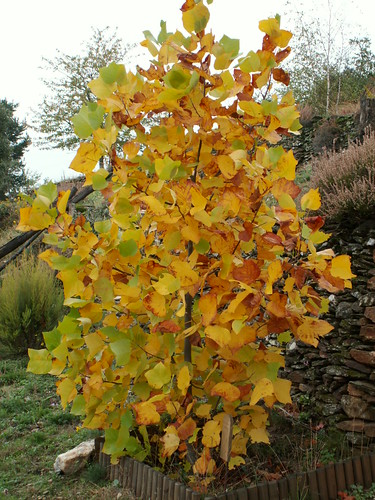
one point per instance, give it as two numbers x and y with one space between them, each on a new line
75 459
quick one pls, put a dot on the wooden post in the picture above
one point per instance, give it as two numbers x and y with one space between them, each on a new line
226 437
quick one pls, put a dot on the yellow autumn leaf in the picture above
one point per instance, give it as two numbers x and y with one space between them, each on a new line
198 200
219 334
227 166
271 26
203 410
311 329
259 435
282 390
62 201
170 441
167 284
183 380
155 302
235 462
95 344
340 267
67 391
196 19
184 273
33 220
86 158
153 205
275 271
72 284
211 434
286 166
311 200
262 389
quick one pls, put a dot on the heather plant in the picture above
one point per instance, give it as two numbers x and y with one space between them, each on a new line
346 180
31 301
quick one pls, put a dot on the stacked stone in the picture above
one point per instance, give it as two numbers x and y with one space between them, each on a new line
337 378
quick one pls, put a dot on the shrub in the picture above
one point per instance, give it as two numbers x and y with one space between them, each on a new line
346 180
31 301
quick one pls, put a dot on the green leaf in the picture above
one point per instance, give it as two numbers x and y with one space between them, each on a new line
79 405
52 339
121 349
202 246
128 248
177 78
142 390
166 168
99 182
104 289
51 239
62 263
250 63
103 226
230 45
40 361
163 35
284 337
158 376
172 240
89 118
48 191
113 73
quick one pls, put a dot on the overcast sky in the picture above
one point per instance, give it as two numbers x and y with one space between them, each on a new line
34 29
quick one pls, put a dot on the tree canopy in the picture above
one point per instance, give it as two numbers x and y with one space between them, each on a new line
205 255
13 144
68 90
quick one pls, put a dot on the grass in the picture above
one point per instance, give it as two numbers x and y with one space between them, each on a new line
34 429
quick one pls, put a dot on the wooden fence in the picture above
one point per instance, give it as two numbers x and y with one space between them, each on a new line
321 484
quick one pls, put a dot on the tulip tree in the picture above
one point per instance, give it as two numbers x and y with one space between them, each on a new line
205 258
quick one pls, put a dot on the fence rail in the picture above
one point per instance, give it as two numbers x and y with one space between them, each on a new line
322 484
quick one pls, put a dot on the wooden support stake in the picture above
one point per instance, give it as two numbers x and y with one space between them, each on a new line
226 437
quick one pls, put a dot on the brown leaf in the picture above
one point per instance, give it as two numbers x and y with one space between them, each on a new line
281 76
248 273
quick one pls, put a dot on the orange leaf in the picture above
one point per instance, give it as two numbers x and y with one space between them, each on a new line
311 329
219 334
186 429
226 391
204 464
247 273
208 307
146 413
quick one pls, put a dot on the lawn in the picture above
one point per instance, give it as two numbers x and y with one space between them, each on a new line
34 429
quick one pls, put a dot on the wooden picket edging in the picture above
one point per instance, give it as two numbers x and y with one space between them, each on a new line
321 484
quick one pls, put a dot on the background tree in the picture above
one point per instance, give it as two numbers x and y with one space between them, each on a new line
329 66
69 90
13 144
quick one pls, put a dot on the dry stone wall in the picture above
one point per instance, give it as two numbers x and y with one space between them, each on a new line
336 380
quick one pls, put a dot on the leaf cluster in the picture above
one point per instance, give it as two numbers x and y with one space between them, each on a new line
204 257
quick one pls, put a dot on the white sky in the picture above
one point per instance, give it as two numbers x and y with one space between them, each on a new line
32 29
